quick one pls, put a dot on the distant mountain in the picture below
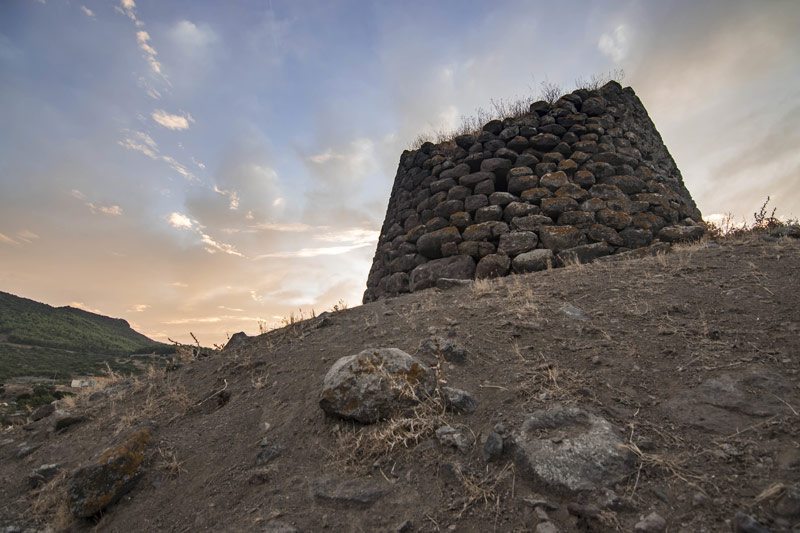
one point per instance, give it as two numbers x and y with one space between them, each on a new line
38 339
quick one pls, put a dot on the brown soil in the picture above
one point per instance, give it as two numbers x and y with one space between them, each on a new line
692 356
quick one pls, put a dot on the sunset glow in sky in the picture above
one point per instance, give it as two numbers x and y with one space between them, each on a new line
201 165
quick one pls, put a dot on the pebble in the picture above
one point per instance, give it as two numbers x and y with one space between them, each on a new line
743 523
653 523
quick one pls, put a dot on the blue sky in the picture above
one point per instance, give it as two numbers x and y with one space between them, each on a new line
199 166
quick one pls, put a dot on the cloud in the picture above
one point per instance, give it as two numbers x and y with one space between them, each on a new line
26 236
173 122
179 284
7 240
138 308
127 8
140 142
177 167
142 37
212 319
213 246
356 236
314 252
81 305
233 197
179 220
292 227
234 309
113 210
615 44
89 12
325 157
192 37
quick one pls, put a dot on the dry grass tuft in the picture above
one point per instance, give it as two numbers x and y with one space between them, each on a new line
484 487
483 287
48 503
167 462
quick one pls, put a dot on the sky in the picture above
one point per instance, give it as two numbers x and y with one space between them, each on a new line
204 166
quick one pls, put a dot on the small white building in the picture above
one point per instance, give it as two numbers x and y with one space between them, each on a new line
82 383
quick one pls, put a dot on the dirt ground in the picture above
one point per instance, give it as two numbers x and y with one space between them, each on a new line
693 357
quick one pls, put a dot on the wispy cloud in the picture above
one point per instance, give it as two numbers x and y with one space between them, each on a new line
113 210
181 221
128 8
81 305
233 197
212 319
615 44
355 236
295 227
177 167
26 236
7 240
179 284
213 246
313 252
138 308
89 12
173 122
140 142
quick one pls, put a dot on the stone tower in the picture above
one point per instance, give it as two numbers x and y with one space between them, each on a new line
583 178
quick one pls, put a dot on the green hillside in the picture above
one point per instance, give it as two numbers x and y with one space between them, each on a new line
63 342
24 321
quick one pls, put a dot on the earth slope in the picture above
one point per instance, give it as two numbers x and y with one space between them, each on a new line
691 358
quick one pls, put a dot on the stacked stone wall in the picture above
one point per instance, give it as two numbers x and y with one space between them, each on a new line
585 177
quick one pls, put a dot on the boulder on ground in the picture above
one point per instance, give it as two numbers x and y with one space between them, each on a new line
107 478
372 384
570 450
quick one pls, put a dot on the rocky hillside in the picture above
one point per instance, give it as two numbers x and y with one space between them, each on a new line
37 339
647 394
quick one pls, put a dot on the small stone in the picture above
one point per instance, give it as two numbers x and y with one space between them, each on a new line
700 500
459 400
42 474
448 349
582 510
653 523
789 504
356 491
572 312
493 447
404 527
268 454
25 450
545 527
743 523
452 437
